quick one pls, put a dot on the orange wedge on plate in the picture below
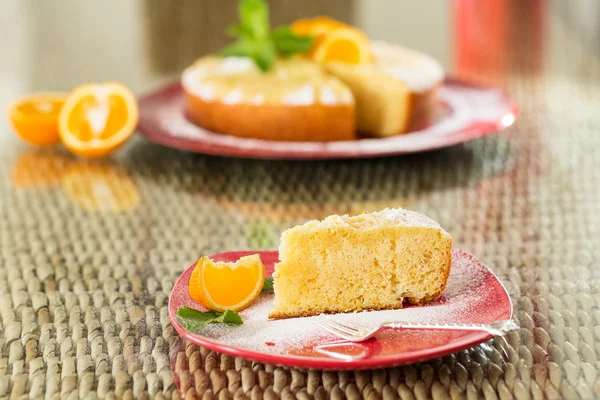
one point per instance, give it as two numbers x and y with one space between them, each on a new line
98 118
221 286
346 44
35 117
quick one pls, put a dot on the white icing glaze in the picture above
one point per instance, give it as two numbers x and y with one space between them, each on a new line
205 92
328 96
235 65
347 97
258 99
192 80
282 73
419 71
234 97
303 96
246 84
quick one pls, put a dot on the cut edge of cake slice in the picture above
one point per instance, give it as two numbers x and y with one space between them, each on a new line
371 261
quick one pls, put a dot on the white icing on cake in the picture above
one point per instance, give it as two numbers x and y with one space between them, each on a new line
282 74
237 80
234 97
328 96
419 71
258 99
206 92
192 80
347 97
303 96
236 65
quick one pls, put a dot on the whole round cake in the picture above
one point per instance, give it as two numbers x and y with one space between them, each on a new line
318 80
296 100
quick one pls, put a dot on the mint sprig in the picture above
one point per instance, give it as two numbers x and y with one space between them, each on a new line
287 42
268 285
256 40
195 320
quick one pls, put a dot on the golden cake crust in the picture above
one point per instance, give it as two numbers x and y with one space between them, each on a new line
282 315
314 123
294 101
396 94
424 109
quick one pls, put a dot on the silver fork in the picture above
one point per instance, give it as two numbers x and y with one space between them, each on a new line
357 333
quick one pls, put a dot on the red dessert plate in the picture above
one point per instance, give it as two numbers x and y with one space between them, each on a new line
469 111
473 295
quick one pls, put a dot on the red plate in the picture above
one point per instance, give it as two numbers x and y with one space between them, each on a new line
470 111
474 295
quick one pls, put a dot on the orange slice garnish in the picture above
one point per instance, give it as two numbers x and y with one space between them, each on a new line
316 27
221 286
98 118
35 117
347 45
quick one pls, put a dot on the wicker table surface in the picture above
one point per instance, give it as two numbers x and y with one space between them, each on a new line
89 251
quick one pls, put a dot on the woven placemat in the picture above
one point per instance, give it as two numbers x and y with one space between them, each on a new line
89 252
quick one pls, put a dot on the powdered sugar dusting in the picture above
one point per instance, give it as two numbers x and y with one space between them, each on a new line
417 70
473 295
384 218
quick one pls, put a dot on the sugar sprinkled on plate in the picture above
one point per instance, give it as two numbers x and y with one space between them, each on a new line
258 333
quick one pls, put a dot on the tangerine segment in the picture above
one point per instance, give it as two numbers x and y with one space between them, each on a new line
347 45
221 286
35 117
98 118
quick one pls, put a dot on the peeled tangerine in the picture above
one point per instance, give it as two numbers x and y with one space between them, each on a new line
222 286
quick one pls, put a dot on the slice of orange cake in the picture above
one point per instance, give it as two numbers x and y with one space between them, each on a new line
372 261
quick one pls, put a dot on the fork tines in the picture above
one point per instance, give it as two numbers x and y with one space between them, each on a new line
344 330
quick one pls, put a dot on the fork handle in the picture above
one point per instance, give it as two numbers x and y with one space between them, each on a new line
497 328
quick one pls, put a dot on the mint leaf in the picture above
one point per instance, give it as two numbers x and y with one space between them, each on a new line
268 285
287 42
242 48
254 17
255 39
195 320
191 314
265 56
231 317
261 51
193 326
238 31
